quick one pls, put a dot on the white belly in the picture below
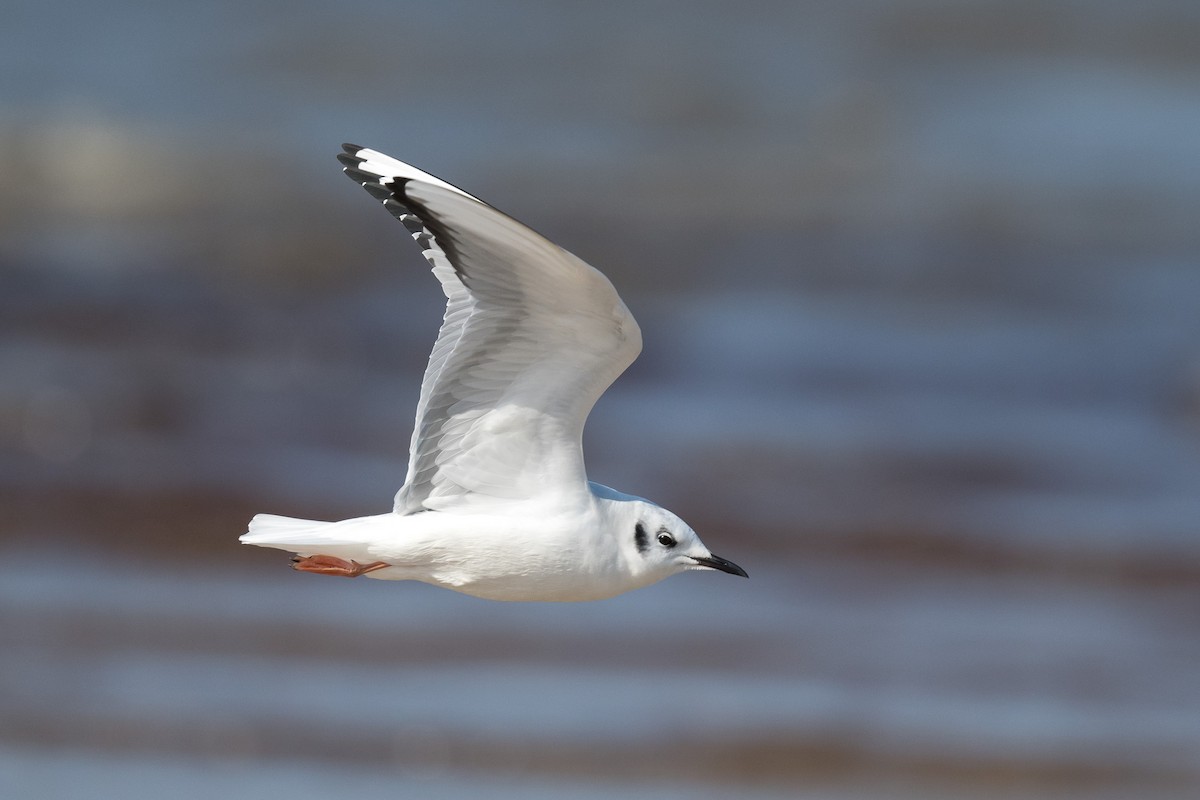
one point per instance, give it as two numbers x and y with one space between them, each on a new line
546 559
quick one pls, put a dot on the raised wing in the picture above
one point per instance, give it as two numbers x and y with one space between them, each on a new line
531 338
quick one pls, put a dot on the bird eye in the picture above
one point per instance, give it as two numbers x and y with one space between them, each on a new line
666 540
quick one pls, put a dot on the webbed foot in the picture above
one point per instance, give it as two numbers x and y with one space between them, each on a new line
329 565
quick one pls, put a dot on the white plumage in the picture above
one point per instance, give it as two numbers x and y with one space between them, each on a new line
497 502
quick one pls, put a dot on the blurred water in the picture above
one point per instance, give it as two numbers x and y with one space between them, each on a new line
834 672
918 282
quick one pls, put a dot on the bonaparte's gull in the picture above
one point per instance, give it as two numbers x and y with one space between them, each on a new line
496 503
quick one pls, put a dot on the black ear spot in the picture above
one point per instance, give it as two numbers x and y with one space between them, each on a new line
666 539
639 537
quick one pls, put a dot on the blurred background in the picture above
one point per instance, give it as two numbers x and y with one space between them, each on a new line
920 290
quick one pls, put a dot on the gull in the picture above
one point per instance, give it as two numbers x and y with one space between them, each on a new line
496 503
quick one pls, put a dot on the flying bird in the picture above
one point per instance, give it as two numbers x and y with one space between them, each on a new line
497 503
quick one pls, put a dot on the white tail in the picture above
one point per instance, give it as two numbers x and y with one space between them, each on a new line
288 533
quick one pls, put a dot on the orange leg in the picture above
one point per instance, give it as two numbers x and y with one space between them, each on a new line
328 565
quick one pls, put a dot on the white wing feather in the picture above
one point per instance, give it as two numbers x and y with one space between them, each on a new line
531 338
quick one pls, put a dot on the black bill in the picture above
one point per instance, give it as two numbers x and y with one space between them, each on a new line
716 562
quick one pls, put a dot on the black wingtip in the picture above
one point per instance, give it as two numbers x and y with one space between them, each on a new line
348 161
352 148
396 208
362 176
378 191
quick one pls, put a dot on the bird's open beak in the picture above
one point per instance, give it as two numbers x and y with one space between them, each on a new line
716 562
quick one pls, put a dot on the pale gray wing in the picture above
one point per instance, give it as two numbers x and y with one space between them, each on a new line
531 338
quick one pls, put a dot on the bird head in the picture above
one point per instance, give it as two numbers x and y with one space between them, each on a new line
657 543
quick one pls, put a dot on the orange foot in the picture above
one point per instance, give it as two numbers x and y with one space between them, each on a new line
328 565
